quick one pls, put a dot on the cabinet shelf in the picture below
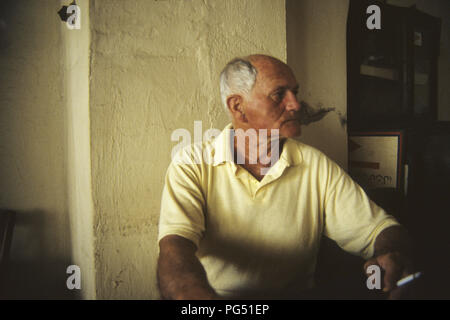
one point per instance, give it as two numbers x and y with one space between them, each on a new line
378 72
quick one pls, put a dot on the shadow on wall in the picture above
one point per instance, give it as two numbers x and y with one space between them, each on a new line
30 273
310 114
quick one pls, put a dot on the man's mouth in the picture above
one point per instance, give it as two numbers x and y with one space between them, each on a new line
298 120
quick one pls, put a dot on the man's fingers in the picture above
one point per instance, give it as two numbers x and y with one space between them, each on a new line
393 266
393 271
391 276
369 263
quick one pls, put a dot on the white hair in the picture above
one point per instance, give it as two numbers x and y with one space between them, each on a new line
238 77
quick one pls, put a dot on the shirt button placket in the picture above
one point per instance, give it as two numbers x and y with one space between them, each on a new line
255 188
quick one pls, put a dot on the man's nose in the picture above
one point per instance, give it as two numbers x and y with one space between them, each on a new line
292 103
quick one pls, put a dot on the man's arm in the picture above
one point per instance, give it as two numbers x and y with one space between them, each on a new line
393 239
180 274
393 253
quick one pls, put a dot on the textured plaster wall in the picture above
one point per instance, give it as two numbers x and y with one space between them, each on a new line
33 146
76 44
154 68
316 50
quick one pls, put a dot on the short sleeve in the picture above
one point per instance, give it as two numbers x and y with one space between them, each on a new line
182 205
351 218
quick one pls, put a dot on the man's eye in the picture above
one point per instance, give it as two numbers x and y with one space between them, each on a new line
278 96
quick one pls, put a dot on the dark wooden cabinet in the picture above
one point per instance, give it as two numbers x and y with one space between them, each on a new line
392 85
392 71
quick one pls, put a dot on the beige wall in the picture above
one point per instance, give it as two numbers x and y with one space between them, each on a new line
154 68
76 45
316 50
33 146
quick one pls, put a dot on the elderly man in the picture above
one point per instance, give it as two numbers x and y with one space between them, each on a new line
252 228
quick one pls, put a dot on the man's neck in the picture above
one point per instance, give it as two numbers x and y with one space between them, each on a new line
256 155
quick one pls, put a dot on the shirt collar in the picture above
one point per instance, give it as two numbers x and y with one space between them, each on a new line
290 155
222 146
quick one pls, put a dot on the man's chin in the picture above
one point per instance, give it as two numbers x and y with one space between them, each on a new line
291 132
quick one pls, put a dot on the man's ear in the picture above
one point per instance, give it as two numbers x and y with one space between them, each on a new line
236 107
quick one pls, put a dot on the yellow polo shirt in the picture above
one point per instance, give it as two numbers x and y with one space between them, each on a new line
263 236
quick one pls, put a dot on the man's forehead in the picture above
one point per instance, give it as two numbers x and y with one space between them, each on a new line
268 63
273 72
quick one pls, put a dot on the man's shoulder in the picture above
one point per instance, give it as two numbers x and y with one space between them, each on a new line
307 151
314 158
195 153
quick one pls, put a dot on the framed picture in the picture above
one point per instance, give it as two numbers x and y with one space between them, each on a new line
376 159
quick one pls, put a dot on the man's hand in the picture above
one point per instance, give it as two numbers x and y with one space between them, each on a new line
395 266
392 254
